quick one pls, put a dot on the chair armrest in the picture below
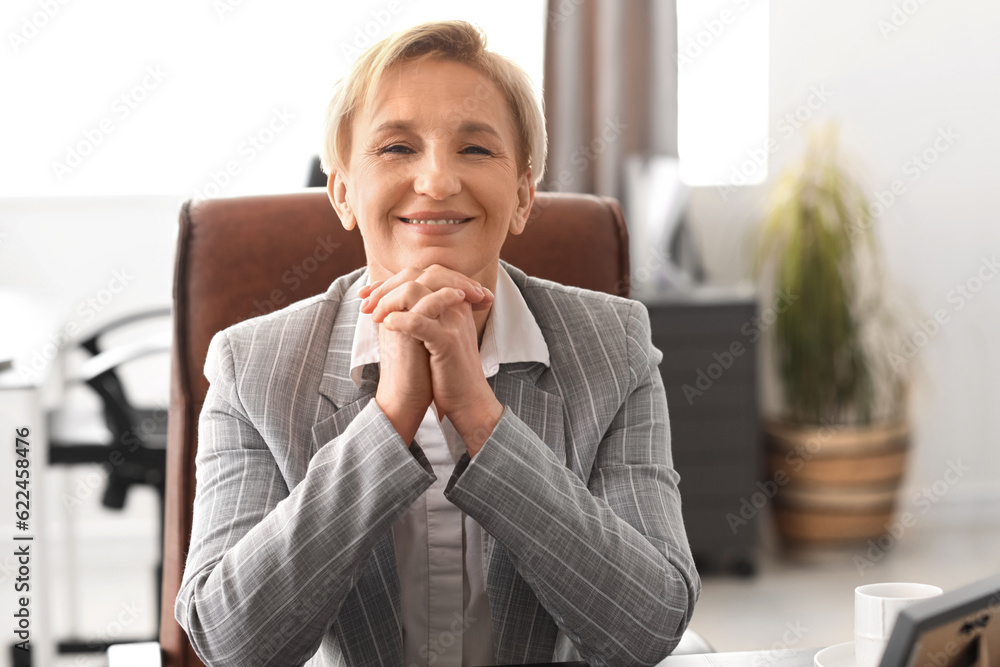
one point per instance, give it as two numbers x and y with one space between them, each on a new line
116 356
692 644
139 654
89 339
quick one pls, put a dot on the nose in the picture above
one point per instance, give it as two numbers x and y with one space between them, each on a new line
436 176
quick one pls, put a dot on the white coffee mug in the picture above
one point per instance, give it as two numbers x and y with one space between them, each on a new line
876 607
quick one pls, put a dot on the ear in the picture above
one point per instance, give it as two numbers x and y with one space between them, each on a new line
525 198
336 189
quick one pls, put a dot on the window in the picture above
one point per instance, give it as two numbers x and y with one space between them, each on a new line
206 98
722 91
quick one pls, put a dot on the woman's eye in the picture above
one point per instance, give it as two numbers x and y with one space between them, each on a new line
477 150
397 148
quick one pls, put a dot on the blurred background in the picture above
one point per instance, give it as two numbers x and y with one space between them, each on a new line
691 114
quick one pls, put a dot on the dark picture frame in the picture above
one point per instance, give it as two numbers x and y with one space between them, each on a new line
960 628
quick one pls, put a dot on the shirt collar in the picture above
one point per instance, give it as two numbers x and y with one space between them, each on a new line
511 335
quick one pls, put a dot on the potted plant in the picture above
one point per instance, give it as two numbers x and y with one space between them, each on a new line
837 449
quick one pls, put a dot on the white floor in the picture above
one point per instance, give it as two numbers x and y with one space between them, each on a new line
808 600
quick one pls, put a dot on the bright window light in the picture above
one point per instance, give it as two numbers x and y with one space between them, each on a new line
197 97
722 91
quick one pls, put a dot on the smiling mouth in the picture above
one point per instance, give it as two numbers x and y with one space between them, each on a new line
453 221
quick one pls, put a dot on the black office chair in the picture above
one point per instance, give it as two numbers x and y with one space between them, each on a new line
316 179
136 452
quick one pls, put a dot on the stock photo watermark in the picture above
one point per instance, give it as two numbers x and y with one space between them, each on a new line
122 106
610 132
791 637
923 500
795 459
295 275
446 639
128 614
924 331
754 165
656 260
253 145
86 311
23 540
32 24
899 16
913 169
7 569
793 634
752 329
130 443
224 8
561 11
371 30
711 29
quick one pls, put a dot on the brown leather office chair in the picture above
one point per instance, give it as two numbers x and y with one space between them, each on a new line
246 256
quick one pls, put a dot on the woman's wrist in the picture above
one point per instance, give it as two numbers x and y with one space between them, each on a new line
475 423
406 422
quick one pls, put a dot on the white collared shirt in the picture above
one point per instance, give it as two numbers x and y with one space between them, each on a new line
440 552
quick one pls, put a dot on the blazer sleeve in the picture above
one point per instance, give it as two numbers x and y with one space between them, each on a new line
608 560
268 569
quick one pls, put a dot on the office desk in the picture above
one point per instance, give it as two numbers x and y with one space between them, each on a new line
792 657
148 655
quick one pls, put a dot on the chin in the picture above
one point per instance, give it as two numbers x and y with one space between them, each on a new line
447 259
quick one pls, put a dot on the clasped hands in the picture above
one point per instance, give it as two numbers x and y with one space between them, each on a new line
429 351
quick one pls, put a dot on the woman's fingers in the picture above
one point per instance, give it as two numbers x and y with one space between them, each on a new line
367 289
382 287
434 277
486 302
416 321
377 290
434 305
403 298
413 296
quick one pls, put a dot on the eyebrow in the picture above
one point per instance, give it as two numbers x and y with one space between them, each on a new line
468 127
394 125
472 127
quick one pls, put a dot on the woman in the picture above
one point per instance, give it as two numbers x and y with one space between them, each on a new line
439 461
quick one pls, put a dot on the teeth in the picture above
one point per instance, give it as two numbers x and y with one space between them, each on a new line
433 222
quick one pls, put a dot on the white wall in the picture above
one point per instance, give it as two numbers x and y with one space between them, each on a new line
893 92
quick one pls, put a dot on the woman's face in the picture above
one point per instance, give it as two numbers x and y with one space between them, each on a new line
436 145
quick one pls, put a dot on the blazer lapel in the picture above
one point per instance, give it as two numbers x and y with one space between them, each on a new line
341 399
514 386
368 623
335 415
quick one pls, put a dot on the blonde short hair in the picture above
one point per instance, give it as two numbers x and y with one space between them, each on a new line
456 41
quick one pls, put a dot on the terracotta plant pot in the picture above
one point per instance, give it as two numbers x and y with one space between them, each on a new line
835 484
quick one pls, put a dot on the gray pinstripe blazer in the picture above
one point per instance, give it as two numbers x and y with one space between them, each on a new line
300 477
